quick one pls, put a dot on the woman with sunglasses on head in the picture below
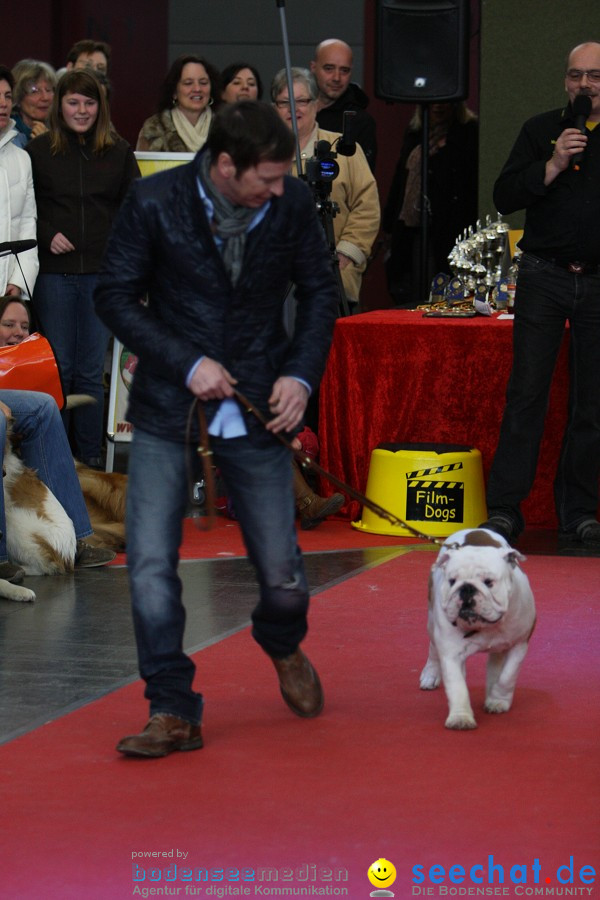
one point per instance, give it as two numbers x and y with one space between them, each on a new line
184 113
81 172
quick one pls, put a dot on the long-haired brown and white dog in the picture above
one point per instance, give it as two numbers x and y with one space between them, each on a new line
40 536
105 495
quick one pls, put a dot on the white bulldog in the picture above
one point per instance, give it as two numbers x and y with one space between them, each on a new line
479 600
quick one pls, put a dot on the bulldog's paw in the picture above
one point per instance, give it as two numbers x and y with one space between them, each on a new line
496 706
461 721
430 678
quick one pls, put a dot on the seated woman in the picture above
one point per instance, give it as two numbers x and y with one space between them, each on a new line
240 81
44 447
15 321
35 82
184 108
354 190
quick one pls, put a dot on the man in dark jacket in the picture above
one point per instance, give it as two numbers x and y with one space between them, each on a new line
214 245
558 282
332 68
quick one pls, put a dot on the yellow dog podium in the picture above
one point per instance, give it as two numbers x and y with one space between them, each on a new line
435 488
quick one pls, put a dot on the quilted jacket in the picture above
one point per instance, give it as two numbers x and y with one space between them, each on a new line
162 248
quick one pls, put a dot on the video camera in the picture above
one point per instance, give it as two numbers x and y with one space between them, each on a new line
321 170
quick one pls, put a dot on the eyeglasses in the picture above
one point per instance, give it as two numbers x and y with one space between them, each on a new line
593 75
298 101
35 90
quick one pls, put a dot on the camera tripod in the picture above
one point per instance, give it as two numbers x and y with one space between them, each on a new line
319 173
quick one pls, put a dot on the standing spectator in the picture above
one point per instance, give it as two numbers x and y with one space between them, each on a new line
89 54
240 81
558 282
452 192
184 108
354 189
35 83
332 68
81 173
17 200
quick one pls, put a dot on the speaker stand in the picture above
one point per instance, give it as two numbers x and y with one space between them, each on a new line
423 286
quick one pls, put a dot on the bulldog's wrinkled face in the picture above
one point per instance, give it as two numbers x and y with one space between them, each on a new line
476 585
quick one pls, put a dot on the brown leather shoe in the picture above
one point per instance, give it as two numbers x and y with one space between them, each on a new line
300 685
312 508
316 510
162 735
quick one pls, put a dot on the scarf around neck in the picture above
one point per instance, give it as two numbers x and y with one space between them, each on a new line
230 222
193 136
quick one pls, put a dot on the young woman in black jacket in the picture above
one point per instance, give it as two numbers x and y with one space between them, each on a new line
81 172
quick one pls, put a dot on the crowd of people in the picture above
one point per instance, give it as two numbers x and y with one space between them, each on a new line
214 248
194 89
65 190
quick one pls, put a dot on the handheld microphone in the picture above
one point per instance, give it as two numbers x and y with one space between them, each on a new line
582 106
16 247
346 145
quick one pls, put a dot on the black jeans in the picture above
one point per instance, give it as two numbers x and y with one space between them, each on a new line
547 297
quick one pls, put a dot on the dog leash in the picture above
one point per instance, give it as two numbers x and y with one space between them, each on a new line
307 462
205 454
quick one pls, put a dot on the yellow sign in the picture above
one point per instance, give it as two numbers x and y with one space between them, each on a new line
150 163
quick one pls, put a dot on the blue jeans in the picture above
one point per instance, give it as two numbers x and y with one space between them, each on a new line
45 448
547 297
79 339
259 481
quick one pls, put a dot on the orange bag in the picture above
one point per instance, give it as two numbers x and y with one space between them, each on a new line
31 366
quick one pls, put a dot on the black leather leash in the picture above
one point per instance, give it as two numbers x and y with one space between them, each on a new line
205 454
307 462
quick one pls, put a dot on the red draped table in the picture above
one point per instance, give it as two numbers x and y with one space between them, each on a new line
396 377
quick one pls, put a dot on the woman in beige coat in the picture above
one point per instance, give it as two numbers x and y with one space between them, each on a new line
354 190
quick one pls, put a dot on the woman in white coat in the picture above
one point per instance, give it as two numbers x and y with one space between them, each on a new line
17 200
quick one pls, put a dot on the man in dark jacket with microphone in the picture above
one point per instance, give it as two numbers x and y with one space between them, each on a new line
553 172
214 245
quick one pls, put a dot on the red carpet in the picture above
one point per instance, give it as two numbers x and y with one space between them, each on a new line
224 539
377 775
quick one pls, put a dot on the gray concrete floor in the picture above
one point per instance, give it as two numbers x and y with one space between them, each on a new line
76 643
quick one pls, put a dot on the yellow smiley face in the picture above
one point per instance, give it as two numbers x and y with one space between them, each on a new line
382 873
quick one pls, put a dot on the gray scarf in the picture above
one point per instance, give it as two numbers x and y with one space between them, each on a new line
230 223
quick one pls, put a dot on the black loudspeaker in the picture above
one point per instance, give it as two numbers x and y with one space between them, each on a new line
422 50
